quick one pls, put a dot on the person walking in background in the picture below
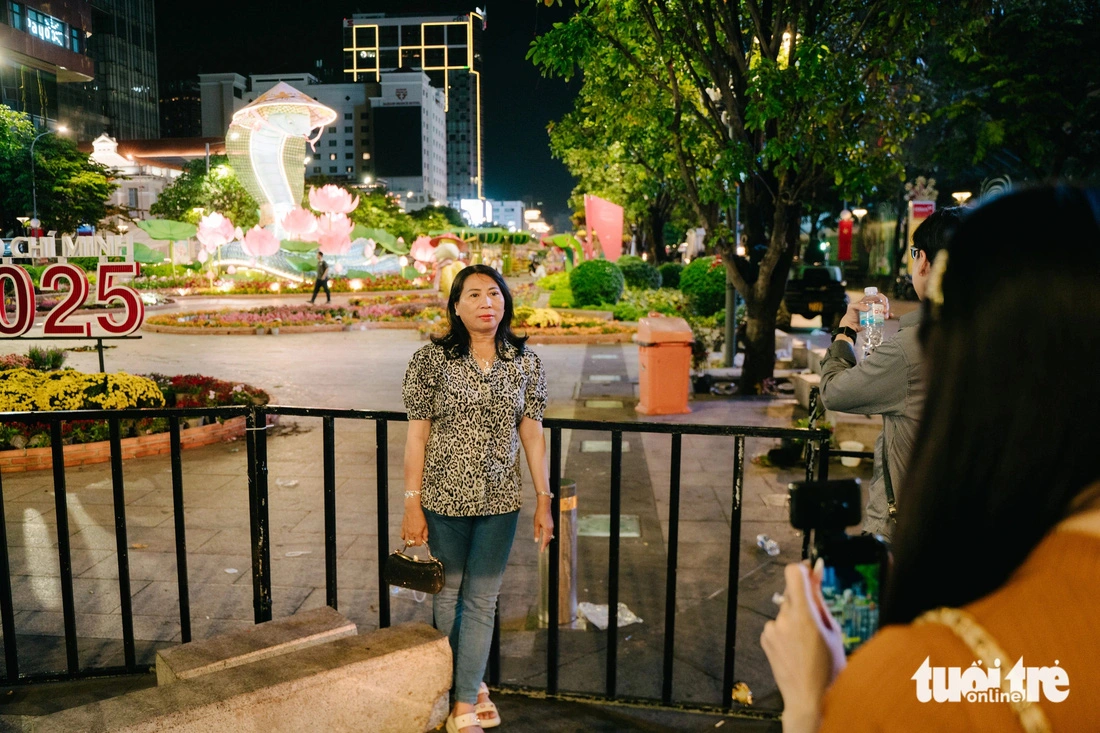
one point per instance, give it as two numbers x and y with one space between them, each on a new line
997 555
321 280
473 396
889 381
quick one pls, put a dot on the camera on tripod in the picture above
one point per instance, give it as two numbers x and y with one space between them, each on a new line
855 565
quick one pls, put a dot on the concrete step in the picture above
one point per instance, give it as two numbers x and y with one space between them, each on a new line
269 639
394 679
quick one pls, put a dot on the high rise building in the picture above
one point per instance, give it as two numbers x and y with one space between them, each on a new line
123 45
42 56
448 49
181 109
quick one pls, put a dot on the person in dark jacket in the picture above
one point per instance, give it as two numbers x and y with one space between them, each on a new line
322 279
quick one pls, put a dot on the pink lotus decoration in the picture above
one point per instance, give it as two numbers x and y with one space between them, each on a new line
332 199
214 231
260 242
299 224
334 233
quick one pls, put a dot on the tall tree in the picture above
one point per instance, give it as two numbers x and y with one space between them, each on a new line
197 192
71 189
776 97
615 145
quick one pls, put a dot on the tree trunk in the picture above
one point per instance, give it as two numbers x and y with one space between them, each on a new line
762 297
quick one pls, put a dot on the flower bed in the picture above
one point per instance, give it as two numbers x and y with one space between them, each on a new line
402 309
27 390
198 285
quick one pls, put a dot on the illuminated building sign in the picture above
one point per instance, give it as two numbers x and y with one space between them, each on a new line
47 27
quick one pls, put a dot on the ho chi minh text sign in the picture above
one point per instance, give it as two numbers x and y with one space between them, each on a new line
108 288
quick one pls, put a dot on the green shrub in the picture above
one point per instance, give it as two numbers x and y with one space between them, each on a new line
636 303
562 297
555 281
670 274
637 273
628 312
596 281
704 283
46 360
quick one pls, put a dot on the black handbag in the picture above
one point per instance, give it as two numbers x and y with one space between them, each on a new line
409 571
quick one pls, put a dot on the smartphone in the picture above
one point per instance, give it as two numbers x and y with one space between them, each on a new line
855 565
855 573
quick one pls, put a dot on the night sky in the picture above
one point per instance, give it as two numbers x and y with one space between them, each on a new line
249 37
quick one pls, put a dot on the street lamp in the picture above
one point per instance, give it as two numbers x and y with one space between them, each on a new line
35 223
961 197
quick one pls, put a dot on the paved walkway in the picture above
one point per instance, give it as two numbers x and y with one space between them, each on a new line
363 369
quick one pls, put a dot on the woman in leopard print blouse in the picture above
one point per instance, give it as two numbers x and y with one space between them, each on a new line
473 396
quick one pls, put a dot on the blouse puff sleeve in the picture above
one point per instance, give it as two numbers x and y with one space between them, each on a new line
534 397
418 389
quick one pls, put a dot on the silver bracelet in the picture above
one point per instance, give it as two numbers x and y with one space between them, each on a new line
545 493
411 494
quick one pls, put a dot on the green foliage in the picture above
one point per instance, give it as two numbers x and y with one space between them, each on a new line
709 332
703 281
378 210
670 274
562 297
436 218
1018 85
72 190
596 281
46 360
167 229
554 281
637 273
219 190
637 302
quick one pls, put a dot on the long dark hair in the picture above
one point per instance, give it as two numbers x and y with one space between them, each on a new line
1007 440
456 342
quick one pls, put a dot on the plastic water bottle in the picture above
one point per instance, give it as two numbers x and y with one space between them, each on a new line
767 544
873 321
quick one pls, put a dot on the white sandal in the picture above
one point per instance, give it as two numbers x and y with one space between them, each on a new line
487 707
469 720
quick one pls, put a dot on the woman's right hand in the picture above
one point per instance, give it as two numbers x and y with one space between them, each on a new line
414 527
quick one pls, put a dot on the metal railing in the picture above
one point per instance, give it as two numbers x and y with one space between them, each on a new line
258 500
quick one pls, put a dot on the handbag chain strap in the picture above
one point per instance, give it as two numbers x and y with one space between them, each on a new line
431 557
985 647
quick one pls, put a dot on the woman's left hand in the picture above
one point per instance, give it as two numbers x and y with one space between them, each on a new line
805 647
544 524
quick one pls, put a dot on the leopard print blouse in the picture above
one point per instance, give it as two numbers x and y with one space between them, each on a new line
471 462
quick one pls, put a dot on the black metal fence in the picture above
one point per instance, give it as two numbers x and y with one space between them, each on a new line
256 442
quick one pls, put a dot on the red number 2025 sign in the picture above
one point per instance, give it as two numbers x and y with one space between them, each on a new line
19 322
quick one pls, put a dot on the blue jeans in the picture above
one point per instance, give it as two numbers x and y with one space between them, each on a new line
474 552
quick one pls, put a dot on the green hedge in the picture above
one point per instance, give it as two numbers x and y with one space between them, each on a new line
704 283
596 281
638 273
670 274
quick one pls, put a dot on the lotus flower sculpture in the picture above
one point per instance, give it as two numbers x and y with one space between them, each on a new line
260 242
300 224
334 234
214 231
331 199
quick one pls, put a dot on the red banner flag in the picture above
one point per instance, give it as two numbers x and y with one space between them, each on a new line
844 240
605 220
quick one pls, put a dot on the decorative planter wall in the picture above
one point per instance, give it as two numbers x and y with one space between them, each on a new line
39 459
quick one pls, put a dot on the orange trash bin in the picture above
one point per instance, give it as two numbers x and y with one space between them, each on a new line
664 365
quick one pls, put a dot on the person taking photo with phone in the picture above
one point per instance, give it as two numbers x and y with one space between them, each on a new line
991 608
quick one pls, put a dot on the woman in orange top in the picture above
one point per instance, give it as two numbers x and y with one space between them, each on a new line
993 600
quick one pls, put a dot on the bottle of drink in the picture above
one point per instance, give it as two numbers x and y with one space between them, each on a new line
767 544
873 321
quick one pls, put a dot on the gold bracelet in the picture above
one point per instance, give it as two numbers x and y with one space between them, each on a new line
411 494
545 493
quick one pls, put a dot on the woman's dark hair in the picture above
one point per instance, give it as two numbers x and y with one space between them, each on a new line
1008 439
456 342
